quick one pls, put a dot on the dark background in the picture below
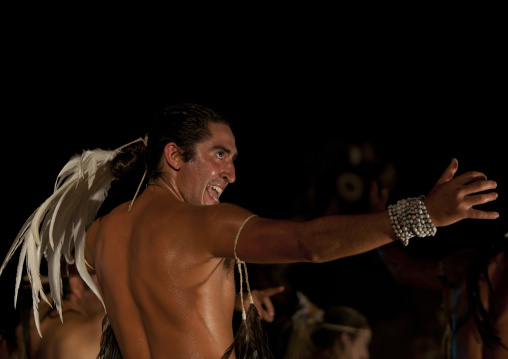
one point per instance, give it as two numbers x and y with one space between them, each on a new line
420 99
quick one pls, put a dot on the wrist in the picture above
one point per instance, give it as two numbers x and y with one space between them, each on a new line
409 218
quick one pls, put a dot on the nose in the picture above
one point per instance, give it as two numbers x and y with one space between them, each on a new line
229 174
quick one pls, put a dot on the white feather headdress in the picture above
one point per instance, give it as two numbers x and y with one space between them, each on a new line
57 228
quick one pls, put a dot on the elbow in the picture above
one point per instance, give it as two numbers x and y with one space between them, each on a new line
320 257
313 248
311 253
317 258
316 245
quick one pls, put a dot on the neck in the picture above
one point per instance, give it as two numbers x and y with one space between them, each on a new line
167 185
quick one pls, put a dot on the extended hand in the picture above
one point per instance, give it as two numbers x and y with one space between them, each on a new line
452 199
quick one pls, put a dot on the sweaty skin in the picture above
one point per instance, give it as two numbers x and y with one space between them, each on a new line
165 269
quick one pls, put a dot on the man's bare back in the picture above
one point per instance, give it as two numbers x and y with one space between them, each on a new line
166 293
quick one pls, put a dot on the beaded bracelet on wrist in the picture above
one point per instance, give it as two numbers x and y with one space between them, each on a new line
409 218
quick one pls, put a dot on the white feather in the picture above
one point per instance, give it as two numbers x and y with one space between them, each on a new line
57 229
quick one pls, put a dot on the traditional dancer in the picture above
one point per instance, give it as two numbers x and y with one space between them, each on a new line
164 261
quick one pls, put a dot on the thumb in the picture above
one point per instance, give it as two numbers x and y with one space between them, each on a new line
449 172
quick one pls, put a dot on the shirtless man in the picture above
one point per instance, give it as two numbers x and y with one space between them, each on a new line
165 268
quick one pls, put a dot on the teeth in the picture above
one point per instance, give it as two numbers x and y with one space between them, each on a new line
217 189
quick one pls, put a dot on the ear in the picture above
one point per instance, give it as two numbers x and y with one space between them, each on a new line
172 155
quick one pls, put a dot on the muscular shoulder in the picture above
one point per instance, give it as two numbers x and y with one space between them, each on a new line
210 230
215 225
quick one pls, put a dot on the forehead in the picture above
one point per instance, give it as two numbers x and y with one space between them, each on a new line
221 135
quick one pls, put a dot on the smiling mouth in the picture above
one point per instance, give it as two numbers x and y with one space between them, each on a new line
215 192
217 189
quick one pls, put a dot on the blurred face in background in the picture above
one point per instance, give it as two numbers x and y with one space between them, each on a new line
353 347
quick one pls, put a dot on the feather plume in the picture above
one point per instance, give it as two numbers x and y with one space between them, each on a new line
250 341
109 345
57 227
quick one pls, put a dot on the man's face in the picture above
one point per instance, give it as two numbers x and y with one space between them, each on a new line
203 179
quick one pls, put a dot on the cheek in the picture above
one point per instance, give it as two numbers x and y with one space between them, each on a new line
193 172
202 168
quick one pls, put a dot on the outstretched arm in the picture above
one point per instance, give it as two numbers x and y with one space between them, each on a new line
327 238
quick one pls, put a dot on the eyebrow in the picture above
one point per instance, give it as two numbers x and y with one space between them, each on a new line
225 149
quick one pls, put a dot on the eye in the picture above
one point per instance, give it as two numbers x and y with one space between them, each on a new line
220 154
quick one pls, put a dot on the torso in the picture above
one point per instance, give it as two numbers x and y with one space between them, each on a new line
164 292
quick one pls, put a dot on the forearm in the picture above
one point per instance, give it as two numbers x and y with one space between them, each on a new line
331 237
265 240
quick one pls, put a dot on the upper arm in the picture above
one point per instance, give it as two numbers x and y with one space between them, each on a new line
260 240
264 240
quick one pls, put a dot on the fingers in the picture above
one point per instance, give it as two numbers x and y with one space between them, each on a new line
478 214
480 199
471 199
272 291
449 172
268 310
471 177
479 186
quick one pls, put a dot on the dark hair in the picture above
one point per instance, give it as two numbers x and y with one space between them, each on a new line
477 271
185 124
130 160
